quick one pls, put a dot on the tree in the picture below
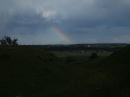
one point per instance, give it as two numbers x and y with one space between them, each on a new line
3 42
15 41
6 40
93 56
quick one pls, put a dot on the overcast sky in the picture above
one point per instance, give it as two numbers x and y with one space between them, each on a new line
77 21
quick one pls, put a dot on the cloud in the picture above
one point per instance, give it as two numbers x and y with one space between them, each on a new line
93 20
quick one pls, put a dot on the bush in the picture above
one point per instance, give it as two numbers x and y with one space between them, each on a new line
93 56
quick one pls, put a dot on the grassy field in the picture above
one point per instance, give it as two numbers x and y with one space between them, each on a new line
33 72
79 56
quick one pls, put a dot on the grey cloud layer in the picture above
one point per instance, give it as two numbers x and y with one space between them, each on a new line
92 18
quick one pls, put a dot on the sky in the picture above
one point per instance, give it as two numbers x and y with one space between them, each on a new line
65 21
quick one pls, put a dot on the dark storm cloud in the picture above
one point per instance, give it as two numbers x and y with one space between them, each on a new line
93 20
31 22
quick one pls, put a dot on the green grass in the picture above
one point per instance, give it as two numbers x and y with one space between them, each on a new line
29 71
110 74
78 56
26 71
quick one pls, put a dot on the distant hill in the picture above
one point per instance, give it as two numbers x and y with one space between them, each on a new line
99 46
27 71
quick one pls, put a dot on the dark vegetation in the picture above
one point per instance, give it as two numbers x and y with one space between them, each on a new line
7 41
33 72
110 47
30 71
93 56
80 56
70 59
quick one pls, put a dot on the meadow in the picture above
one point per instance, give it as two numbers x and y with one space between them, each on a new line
80 55
33 72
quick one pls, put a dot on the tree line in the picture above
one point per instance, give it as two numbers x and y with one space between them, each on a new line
7 41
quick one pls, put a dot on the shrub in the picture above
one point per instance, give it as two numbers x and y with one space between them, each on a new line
93 56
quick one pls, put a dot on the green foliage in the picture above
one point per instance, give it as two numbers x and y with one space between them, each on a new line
93 56
6 40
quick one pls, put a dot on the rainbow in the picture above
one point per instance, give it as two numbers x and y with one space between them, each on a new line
60 34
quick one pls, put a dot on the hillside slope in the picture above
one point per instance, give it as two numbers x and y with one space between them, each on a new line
108 77
31 71
117 67
26 71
